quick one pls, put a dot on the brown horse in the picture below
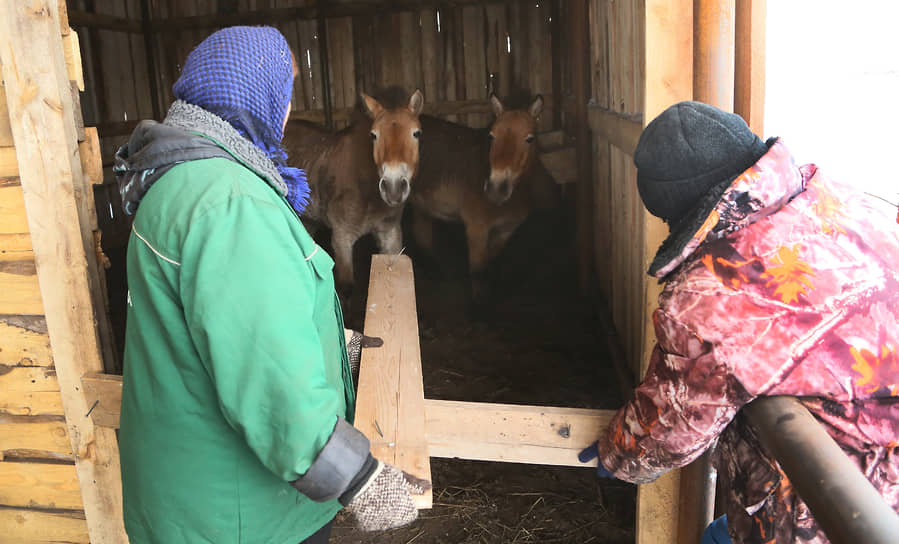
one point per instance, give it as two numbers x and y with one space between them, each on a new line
359 177
513 147
456 182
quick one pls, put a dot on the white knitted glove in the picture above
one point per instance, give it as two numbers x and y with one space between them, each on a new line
385 501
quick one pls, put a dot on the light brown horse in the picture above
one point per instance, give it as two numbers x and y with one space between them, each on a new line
513 147
456 182
359 177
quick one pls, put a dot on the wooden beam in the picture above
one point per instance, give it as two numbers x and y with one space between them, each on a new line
713 52
9 165
39 485
5 130
390 403
510 433
33 526
29 391
620 130
25 341
20 288
97 262
749 52
669 79
36 433
15 247
78 18
12 206
580 82
73 59
103 393
43 122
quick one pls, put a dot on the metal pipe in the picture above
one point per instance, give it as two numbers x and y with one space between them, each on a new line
843 501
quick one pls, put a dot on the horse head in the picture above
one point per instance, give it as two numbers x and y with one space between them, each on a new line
512 147
395 132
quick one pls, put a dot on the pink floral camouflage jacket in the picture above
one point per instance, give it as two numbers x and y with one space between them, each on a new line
791 287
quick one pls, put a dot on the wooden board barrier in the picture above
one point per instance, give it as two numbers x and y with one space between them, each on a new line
32 526
35 433
24 341
29 391
39 485
390 403
512 433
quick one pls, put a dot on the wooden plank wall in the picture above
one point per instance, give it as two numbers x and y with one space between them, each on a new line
617 66
40 500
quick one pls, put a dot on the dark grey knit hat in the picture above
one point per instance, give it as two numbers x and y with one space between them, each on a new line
686 158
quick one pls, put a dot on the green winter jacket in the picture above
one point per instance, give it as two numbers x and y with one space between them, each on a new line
235 369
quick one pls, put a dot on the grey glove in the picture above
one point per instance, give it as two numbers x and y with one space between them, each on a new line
355 341
385 500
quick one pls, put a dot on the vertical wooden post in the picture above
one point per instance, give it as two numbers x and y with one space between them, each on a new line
713 52
749 83
713 83
556 36
43 125
149 43
669 79
580 82
322 30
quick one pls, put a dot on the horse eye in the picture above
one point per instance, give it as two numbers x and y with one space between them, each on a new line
374 136
530 138
491 137
416 134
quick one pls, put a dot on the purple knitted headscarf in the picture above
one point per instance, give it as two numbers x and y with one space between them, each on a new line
244 75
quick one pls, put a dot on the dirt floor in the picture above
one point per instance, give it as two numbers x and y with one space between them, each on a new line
539 343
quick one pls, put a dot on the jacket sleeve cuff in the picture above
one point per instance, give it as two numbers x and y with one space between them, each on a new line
337 466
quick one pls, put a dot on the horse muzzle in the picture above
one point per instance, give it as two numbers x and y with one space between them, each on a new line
394 192
498 191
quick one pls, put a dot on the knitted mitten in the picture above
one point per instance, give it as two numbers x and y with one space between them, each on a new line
385 501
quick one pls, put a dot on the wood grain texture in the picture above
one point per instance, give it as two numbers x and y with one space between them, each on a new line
36 527
24 341
42 117
29 391
511 433
390 400
39 485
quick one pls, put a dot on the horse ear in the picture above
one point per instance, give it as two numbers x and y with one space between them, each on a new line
372 106
536 107
496 105
416 102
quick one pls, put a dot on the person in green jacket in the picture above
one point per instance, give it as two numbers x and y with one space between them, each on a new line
238 397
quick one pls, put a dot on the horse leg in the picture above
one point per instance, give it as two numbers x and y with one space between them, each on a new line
342 242
477 237
389 236
423 230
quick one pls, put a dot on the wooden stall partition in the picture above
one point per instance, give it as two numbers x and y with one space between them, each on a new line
59 474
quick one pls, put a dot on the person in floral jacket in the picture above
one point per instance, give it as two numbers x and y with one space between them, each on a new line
778 281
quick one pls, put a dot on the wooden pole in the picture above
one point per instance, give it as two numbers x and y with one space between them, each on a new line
149 46
749 84
42 120
556 30
324 62
669 79
580 81
713 52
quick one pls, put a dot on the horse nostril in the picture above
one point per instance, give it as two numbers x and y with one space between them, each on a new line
504 188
